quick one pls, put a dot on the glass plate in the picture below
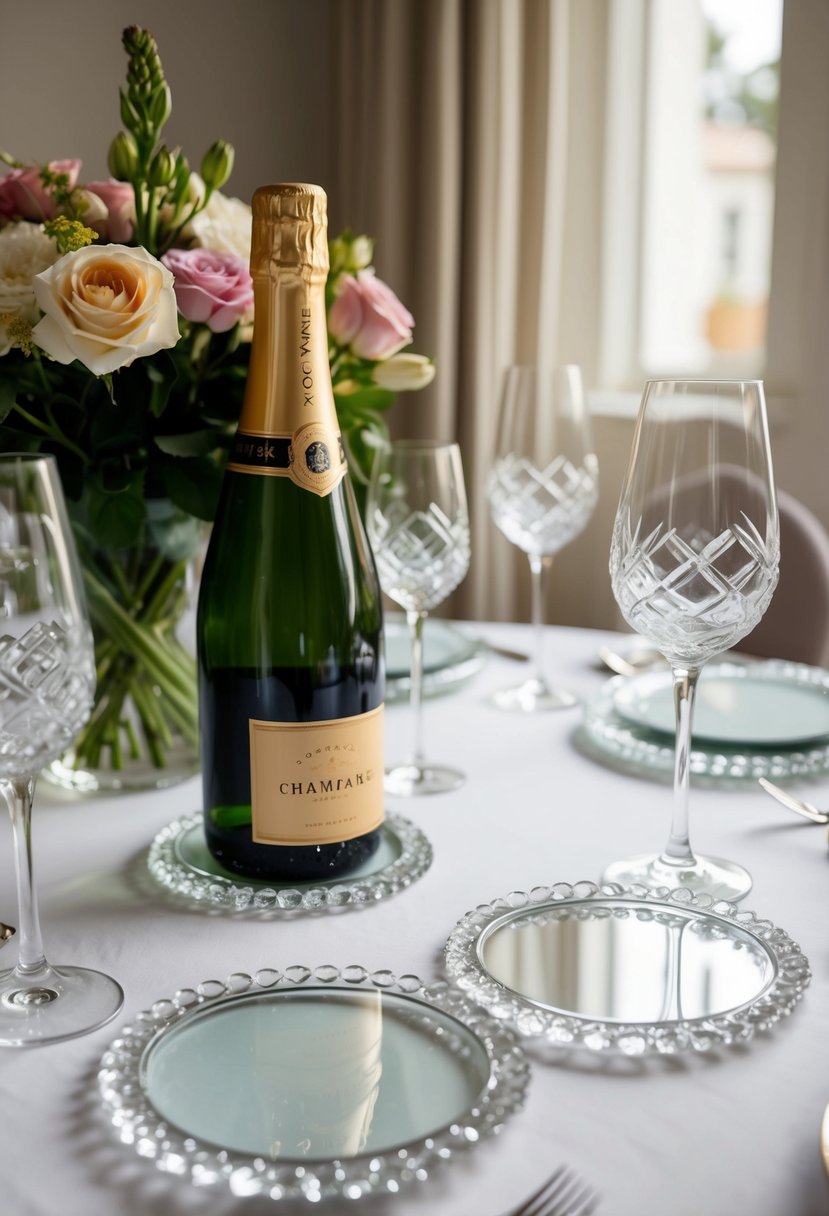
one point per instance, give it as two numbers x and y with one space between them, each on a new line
756 705
449 657
301 1084
608 737
627 970
179 860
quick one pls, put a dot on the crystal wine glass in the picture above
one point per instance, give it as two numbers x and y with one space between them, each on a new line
694 562
47 678
418 526
542 490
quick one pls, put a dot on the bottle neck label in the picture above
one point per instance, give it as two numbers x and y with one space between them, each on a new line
288 426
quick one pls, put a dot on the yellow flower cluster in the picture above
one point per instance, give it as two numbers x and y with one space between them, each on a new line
18 331
69 235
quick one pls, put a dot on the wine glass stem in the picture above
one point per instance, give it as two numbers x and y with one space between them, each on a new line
415 620
19 794
539 565
678 849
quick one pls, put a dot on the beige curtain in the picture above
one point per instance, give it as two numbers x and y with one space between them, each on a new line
468 141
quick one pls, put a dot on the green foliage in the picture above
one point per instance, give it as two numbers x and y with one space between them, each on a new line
8 395
161 434
160 176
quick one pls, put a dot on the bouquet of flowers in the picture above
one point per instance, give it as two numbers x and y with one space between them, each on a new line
126 311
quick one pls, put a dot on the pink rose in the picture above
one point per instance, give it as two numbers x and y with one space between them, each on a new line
212 287
23 195
119 200
367 316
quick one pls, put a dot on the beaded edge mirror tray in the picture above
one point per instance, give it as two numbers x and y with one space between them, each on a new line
449 1025
788 969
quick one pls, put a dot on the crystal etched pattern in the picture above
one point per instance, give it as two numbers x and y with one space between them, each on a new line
541 510
421 556
45 694
692 596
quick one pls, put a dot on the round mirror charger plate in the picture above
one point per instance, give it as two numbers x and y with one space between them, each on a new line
311 1084
773 704
450 657
626 970
610 737
179 860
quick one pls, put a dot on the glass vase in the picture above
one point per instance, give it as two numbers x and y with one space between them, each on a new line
143 731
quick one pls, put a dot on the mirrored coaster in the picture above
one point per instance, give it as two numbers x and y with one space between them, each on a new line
626 969
180 861
320 1083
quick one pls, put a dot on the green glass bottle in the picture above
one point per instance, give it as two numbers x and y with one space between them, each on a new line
289 619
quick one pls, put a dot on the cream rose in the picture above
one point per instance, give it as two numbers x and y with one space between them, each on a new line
106 305
25 250
404 372
223 226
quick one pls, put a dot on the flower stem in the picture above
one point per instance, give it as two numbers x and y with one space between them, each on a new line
52 432
143 671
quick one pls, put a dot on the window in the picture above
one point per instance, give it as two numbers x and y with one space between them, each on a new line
691 120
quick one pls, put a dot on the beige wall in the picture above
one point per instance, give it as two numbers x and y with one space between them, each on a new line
256 73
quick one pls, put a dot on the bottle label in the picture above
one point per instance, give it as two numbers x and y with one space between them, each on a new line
313 457
316 782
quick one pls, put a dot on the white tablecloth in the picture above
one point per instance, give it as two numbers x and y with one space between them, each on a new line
714 1135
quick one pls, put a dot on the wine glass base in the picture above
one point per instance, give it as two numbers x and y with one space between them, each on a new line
707 876
412 780
56 1004
532 697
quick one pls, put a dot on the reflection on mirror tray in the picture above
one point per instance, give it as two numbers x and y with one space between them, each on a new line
626 969
321 1083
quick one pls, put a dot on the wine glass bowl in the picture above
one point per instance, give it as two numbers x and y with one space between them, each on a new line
694 562
542 490
541 510
422 556
418 526
47 681
694 585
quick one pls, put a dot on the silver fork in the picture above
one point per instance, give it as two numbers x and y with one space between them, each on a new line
794 804
563 1194
633 663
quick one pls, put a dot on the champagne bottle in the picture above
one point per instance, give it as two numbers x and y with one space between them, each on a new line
289 616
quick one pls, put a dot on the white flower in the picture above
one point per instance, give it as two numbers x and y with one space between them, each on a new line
106 305
362 251
223 226
25 250
404 372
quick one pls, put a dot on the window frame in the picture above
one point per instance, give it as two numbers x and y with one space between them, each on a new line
800 160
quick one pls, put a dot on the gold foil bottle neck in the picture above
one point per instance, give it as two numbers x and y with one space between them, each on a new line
290 229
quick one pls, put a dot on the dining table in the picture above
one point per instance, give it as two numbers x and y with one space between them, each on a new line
714 1133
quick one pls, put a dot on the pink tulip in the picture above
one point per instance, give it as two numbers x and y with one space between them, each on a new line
367 316
23 195
119 200
213 288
